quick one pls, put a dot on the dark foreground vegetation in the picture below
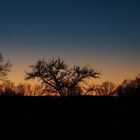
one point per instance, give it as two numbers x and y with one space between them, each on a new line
95 112
57 79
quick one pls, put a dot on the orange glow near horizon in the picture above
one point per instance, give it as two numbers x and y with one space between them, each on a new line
105 35
113 68
17 76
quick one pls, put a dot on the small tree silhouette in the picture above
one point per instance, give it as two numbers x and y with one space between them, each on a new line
8 88
129 87
57 77
105 89
4 68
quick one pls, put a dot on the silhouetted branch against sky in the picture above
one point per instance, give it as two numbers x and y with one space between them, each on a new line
59 76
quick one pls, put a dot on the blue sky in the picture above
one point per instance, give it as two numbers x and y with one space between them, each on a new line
103 33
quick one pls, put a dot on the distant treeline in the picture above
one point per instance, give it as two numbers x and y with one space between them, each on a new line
57 79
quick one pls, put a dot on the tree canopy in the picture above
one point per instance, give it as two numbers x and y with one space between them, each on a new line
59 78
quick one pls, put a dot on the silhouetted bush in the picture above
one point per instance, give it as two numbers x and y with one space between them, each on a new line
129 87
105 89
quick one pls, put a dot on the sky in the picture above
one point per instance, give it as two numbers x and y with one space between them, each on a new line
102 33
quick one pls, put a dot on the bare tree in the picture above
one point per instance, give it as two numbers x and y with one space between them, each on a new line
56 76
105 89
4 68
23 89
39 90
129 87
8 88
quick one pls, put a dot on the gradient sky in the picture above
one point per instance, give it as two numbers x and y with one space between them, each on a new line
102 33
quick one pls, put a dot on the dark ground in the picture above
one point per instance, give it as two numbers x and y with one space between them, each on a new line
75 112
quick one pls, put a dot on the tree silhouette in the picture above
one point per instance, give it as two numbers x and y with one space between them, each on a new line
4 68
57 77
129 87
8 88
23 89
105 89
